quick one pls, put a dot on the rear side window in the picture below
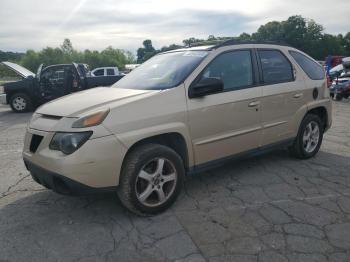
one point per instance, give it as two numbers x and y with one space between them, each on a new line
110 72
276 68
233 68
310 67
99 72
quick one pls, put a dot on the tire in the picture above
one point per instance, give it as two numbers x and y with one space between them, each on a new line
133 187
346 96
20 103
301 149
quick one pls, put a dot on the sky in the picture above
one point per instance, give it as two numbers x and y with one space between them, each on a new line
96 24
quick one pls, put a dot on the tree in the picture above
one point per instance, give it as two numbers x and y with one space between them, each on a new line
145 52
67 54
244 37
272 31
190 41
346 43
170 47
67 47
297 31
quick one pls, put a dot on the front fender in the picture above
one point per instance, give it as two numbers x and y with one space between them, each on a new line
130 138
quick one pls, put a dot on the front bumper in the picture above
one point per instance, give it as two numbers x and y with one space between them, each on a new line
61 184
3 99
94 166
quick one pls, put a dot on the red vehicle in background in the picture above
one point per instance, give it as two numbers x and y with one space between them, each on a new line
332 61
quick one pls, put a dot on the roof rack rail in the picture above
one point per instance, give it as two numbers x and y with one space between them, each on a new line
238 42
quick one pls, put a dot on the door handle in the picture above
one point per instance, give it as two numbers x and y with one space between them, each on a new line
254 104
298 95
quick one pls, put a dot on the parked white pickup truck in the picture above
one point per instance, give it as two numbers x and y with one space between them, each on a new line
105 71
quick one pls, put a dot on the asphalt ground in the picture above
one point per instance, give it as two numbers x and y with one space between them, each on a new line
265 208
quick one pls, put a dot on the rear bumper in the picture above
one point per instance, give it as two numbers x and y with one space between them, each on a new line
3 99
61 184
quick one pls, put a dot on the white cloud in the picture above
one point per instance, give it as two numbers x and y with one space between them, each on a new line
97 24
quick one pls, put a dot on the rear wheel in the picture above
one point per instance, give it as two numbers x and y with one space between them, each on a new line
151 179
20 103
309 138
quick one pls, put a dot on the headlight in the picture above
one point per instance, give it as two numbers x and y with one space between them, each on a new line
93 119
68 143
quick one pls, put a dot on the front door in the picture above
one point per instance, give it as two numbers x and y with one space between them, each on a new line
52 80
226 123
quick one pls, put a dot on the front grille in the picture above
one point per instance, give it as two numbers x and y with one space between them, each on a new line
34 144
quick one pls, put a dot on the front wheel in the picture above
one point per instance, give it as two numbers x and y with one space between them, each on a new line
309 138
20 103
151 179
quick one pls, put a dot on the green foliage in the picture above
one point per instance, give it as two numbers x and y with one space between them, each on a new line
296 31
6 56
9 56
145 52
67 54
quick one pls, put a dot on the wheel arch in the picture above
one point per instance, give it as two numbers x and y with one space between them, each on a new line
11 93
173 140
322 113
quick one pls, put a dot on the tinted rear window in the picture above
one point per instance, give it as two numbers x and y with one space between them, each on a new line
276 68
110 72
99 72
311 68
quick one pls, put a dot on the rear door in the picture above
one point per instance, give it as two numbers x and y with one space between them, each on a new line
282 95
226 123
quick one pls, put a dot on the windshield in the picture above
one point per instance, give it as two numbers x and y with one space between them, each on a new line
162 71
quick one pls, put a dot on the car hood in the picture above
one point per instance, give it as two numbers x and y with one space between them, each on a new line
78 104
22 71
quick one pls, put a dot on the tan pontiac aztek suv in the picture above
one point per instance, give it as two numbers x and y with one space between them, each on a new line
180 112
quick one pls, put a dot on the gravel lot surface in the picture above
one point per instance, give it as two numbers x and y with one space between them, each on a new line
266 208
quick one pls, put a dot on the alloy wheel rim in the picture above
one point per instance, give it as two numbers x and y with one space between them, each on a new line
311 137
156 182
19 103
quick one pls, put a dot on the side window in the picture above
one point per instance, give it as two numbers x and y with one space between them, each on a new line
53 74
275 67
311 68
99 72
58 75
45 75
110 72
233 68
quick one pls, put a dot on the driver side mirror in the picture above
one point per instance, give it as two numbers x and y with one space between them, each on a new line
206 86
